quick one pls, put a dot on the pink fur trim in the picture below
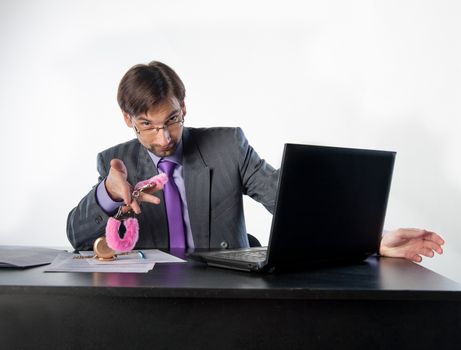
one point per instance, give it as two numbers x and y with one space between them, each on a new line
131 235
157 181
131 224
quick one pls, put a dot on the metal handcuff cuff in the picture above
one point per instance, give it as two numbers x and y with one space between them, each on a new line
109 246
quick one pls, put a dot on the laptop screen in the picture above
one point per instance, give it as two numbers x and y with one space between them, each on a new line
330 205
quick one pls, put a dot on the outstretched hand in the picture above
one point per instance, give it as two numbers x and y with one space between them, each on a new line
120 189
411 244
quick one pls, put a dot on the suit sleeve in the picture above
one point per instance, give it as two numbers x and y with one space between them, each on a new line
87 221
259 178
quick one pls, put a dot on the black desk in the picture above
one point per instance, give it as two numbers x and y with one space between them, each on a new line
379 304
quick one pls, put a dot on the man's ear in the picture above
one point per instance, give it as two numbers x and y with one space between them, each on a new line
184 109
127 119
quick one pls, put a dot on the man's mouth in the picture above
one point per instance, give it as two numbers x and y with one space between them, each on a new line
166 148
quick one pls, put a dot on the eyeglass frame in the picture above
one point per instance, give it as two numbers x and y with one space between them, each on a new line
157 129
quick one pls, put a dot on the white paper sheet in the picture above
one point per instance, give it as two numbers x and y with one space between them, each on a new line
65 262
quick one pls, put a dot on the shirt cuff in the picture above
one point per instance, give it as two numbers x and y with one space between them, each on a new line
104 201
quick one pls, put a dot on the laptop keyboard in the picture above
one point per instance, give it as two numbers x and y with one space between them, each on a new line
245 255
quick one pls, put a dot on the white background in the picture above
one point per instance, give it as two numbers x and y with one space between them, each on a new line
372 74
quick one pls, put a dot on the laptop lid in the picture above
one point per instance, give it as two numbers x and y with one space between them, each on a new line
330 205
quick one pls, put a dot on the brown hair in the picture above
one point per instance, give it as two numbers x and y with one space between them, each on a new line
145 85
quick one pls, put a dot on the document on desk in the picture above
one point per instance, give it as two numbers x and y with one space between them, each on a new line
154 255
25 256
83 262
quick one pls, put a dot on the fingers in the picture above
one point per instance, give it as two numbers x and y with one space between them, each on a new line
116 182
426 252
119 188
148 188
416 258
417 255
145 197
126 194
152 189
412 244
432 236
118 165
433 246
409 233
135 206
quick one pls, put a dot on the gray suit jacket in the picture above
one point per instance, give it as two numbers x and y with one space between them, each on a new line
219 167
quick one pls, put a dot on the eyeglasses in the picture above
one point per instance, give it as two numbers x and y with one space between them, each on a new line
147 129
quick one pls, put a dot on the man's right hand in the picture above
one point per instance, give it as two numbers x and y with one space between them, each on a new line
119 188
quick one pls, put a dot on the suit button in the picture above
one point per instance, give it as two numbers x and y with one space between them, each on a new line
224 244
98 219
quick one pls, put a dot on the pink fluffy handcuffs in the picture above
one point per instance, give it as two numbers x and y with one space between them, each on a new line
128 242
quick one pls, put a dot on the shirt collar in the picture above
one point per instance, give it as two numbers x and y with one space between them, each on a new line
176 157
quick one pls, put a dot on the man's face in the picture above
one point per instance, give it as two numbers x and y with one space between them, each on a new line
160 129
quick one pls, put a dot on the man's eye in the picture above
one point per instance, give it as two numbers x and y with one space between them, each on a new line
145 123
173 119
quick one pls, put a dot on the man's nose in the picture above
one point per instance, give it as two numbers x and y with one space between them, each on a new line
163 137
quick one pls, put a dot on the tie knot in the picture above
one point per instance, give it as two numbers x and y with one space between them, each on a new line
167 167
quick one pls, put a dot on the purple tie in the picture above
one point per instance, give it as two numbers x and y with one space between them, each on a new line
173 206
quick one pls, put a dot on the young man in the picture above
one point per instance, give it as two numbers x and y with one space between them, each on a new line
209 170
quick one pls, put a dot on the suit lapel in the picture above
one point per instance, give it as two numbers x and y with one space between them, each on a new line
197 184
158 233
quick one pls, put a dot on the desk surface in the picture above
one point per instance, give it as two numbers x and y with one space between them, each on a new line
374 279
389 303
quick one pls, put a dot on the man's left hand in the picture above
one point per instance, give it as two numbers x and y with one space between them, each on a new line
411 244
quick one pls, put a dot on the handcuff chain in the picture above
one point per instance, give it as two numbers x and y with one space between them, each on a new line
120 215
78 257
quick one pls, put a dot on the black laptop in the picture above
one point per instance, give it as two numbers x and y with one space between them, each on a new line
330 208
